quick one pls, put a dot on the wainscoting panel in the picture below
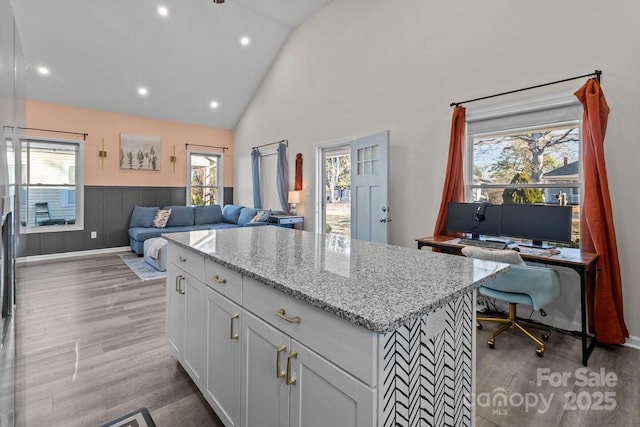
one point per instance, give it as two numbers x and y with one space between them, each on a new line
107 211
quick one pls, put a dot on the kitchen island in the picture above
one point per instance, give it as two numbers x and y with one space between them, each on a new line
284 327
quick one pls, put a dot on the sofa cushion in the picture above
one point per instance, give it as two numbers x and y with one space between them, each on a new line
230 213
142 216
161 218
207 214
246 215
180 216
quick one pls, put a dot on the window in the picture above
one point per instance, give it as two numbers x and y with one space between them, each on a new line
51 185
527 154
204 179
368 158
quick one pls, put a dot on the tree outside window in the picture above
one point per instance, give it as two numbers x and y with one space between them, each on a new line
528 166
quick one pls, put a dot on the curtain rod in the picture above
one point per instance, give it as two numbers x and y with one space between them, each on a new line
186 146
84 135
286 141
596 73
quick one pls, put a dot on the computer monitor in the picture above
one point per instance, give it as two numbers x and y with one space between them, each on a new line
474 218
538 223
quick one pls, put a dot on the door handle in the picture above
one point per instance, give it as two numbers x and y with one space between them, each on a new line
280 373
217 279
182 259
280 314
291 380
231 334
179 285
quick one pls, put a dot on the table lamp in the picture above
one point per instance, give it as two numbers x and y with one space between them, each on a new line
293 199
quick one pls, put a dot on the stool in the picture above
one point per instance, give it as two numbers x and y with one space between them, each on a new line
159 263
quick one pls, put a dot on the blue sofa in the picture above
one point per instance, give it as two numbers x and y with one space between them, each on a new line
190 218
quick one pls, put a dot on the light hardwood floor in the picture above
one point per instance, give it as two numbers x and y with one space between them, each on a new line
90 347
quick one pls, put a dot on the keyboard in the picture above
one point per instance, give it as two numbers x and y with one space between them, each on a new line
490 244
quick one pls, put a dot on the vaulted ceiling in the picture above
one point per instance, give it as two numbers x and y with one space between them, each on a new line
100 53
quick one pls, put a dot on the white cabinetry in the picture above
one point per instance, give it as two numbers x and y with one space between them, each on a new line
262 358
185 310
175 312
193 360
223 349
285 383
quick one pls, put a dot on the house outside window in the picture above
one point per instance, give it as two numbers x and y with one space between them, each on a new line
51 185
204 179
526 153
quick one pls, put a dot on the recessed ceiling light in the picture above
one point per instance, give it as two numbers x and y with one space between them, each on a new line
214 104
43 70
142 91
163 11
244 41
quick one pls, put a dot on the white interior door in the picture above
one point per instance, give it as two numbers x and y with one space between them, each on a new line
369 188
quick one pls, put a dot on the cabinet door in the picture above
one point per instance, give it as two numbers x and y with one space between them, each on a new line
194 328
265 394
324 395
175 312
223 357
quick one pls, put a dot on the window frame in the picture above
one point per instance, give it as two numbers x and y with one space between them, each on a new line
23 187
220 176
522 115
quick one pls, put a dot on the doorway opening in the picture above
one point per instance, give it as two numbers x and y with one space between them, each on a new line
337 190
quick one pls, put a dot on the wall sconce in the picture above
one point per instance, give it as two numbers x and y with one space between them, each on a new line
293 199
102 153
173 158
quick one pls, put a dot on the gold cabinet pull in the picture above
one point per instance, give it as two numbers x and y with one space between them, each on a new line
280 314
231 334
291 380
280 373
217 279
182 259
179 284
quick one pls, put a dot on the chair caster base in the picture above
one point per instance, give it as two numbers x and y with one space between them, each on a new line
478 325
491 343
540 352
545 337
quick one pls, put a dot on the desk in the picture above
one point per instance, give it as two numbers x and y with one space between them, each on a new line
583 263
288 221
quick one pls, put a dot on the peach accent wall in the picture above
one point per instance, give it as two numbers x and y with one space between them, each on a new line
102 124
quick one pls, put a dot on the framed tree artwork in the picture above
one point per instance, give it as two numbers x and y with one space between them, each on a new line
140 152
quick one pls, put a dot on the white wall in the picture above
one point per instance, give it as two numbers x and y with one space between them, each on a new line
362 66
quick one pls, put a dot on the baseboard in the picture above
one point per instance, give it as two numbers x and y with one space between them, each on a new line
64 255
633 342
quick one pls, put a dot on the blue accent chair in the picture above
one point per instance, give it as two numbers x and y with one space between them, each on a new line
522 284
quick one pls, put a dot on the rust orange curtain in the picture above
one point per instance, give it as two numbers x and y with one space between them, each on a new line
453 190
598 235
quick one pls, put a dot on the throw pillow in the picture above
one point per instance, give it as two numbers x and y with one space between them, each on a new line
161 218
142 216
261 216
246 215
230 213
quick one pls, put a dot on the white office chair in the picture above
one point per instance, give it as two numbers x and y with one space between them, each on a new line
523 284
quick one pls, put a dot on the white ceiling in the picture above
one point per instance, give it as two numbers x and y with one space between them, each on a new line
100 52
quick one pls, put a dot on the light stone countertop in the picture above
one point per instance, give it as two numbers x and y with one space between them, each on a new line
379 287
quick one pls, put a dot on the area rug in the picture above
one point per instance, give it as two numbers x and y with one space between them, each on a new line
139 418
141 268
